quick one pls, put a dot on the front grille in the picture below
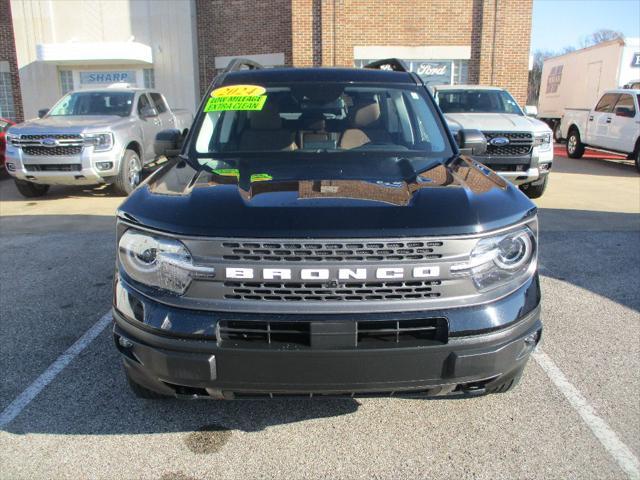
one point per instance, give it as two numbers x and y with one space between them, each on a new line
52 151
54 167
520 143
418 332
353 334
37 145
76 137
310 292
508 168
379 251
257 333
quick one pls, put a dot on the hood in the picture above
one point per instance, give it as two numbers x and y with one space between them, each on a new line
495 122
71 123
456 198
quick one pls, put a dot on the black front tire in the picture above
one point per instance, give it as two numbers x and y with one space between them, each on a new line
130 171
30 189
638 159
535 191
143 392
575 147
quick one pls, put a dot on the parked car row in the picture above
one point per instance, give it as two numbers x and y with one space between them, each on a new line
106 136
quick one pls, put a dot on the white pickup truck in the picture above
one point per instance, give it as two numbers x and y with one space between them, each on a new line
612 125
91 137
519 147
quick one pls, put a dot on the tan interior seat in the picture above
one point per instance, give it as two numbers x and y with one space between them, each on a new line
265 132
366 127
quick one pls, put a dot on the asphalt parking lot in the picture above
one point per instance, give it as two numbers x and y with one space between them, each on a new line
576 413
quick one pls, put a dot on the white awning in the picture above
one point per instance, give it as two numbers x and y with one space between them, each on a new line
74 53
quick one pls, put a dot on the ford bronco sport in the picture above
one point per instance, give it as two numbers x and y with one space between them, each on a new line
319 232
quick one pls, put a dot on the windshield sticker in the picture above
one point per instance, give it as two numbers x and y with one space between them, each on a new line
227 172
239 91
216 104
260 177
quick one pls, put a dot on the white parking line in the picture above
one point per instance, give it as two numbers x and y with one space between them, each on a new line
22 400
607 437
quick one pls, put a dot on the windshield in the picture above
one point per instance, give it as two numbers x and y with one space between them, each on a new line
477 101
317 121
94 103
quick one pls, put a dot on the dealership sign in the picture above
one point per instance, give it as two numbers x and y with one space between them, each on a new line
101 78
636 60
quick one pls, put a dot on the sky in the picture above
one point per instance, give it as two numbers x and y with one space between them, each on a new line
561 23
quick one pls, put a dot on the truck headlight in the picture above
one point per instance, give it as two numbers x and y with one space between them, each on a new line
159 262
499 260
543 141
101 141
13 139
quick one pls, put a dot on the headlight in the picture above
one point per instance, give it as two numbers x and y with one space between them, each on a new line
502 259
13 139
543 141
159 262
101 141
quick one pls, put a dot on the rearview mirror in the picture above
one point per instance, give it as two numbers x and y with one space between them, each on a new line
531 110
625 112
472 142
42 112
168 143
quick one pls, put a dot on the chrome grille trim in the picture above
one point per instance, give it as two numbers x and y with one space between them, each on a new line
65 144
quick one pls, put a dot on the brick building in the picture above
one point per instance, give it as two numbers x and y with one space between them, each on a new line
445 41
10 99
177 46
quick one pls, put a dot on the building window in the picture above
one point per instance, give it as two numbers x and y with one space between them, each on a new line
460 72
66 81
149 78
7 107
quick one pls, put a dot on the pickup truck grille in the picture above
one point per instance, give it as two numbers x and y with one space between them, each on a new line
520 143
379 251
52 151
50 145
310 292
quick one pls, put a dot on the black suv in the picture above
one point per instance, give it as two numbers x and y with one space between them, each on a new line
319 232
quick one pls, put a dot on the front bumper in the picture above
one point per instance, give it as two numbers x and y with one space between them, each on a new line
87 174
470 361
523 169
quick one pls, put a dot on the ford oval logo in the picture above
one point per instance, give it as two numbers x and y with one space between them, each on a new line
49 142
499 141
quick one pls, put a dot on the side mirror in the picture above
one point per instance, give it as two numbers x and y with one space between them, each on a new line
148 112
168 143
625 112
42 112
472 142
531 110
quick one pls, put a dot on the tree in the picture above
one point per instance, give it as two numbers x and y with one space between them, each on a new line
599 36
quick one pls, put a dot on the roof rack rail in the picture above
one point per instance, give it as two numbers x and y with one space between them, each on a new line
237 64
394 64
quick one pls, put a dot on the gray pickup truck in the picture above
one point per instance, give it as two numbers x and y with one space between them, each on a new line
91 137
